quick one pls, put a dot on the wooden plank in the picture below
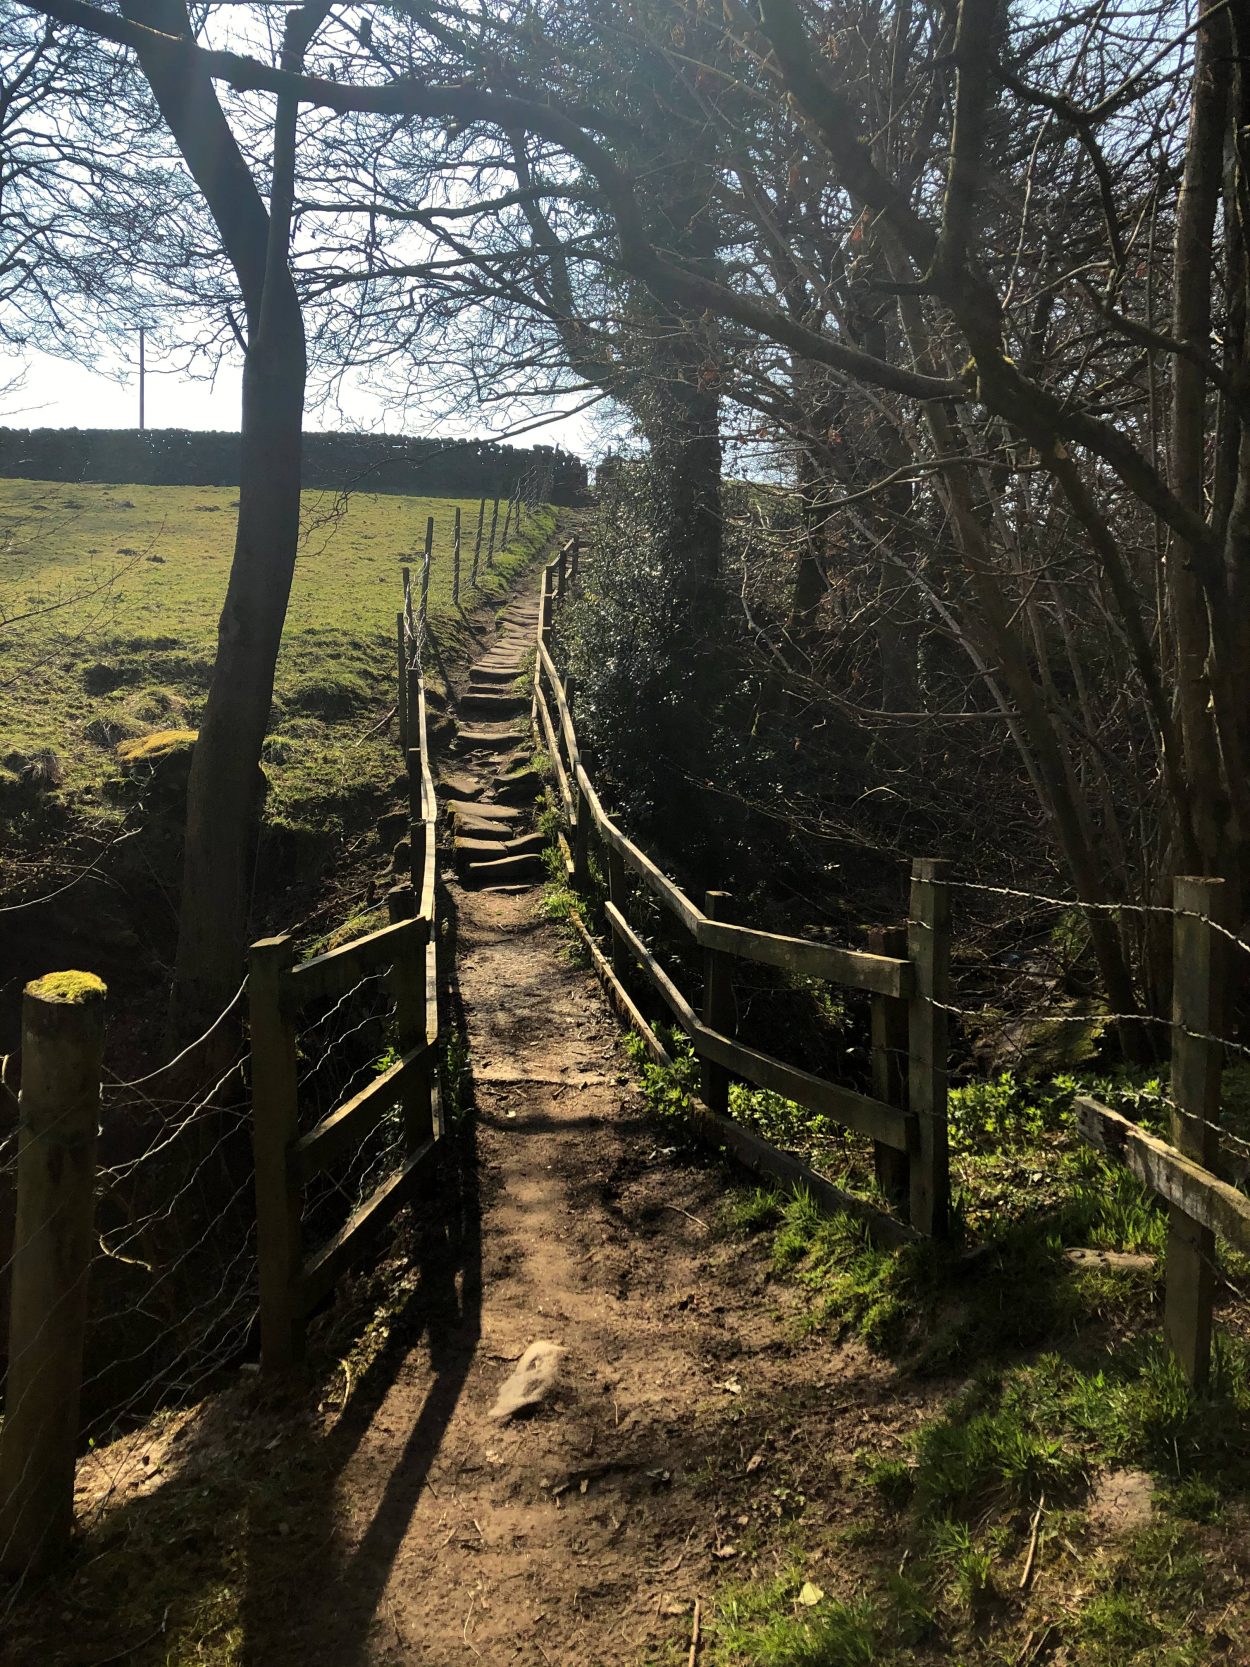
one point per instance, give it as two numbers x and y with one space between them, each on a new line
402 701
627 938
886 975
275 1110
553 751
858 969
349 1123
1207 1200
842 1105
1198 967
888 1022
408 982
338 969
928 949
317 1275
627 1009
655 881
756 1154
562 706
425 870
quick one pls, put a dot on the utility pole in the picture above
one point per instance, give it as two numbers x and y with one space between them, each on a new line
142 372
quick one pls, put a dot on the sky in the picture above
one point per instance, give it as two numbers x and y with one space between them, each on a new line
57 393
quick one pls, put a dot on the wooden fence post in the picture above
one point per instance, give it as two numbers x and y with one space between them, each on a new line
545 606
62 1045
425 578
718 1005
408 984
928 947
477 545
507 523
275 1124
455 561
581 842
403 681
562 572
494 522
1198 957
889 1068
416 818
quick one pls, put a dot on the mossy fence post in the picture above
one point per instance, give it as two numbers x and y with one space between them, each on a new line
62 1046
928 948
1198 967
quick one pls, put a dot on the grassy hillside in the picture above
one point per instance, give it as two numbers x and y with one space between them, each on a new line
109 599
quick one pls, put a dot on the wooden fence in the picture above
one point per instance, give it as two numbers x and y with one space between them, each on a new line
906 974
293 1281
906 978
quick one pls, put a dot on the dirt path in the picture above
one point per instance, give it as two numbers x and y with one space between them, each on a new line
583 1532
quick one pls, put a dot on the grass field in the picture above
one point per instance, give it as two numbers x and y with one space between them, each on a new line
109 599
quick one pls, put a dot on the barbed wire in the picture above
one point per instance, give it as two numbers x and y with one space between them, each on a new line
1067 903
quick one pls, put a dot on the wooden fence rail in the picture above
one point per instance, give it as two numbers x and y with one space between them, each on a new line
293 1279
905 1115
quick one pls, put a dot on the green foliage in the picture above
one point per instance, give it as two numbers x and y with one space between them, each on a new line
1003 1112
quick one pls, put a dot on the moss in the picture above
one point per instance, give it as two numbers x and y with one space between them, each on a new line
149 749
73 989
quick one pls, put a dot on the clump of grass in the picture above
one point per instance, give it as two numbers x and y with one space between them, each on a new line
763 1624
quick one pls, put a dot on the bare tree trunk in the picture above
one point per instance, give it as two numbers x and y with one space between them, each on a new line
1191 321
223 795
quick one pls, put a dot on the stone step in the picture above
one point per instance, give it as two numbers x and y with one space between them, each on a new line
483 811
487 740
531 868
490 705
517 787
460 785
491 675
523 845
479 827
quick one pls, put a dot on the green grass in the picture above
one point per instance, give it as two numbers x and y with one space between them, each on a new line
114 593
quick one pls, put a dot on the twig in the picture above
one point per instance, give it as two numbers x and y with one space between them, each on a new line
694 1634
688 1216
1028 1561
360 741
128 1653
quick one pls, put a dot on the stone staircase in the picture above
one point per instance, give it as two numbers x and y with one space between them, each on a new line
489 790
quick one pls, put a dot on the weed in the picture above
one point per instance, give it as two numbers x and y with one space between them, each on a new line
893 1480
762 1624
751 1211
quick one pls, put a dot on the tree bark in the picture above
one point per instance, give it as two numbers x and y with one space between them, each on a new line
223 792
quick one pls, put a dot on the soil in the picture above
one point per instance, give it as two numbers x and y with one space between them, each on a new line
693 1433
583 1530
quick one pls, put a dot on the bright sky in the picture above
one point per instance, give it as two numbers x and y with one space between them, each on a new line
59 394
